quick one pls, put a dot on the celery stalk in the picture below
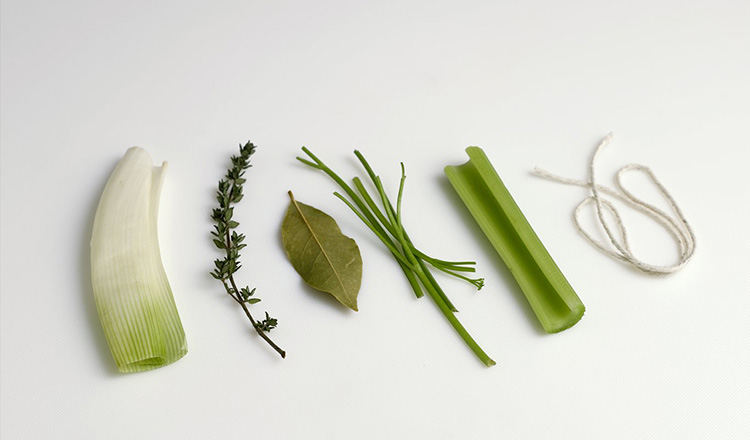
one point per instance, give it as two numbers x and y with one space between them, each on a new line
132 293
552 298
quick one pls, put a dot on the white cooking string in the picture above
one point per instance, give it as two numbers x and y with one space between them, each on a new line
677 226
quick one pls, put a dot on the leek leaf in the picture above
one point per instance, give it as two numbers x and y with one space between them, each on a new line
131 290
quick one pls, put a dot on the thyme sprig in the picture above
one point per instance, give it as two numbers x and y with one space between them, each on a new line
227 239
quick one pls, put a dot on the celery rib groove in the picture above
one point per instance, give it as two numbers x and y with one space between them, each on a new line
479 186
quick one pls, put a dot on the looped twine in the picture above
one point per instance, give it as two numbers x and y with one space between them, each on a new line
677 226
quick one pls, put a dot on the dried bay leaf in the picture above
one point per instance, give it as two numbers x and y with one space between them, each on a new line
325 258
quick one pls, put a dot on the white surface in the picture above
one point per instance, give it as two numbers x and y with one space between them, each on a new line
533 83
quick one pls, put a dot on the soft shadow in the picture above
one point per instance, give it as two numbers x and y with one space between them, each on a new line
86 288
325 298
491 254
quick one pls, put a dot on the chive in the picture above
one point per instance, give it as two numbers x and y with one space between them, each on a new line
552 298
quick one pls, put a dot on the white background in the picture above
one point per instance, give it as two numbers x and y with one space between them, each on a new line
533 83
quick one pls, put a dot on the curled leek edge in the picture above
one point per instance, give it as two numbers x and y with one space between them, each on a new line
131 290
478 184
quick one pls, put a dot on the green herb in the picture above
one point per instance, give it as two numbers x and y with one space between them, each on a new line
385 222
132 293
228 240
555 303
324 257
